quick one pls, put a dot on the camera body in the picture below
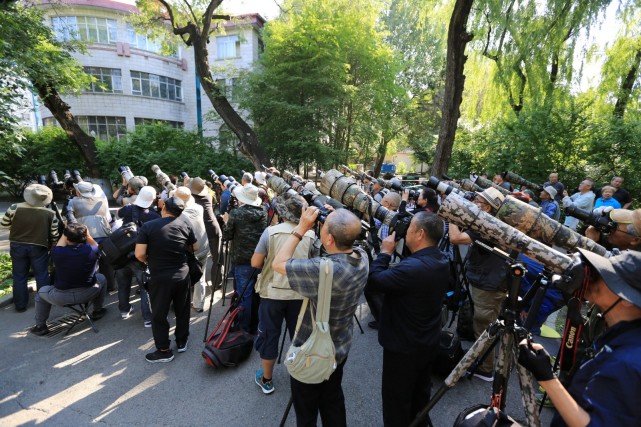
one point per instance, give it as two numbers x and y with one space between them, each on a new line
601 222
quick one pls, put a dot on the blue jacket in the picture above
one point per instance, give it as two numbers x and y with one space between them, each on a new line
414 290
608 386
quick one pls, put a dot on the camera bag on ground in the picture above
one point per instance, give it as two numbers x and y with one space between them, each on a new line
450 352
229 344
483 416
121 243
315 360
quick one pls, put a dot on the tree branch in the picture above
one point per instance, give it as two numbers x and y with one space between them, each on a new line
191 11
208 15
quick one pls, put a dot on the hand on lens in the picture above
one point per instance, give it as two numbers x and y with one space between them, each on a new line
535 359
308 218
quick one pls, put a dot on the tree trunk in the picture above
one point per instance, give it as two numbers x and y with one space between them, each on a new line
60 110
248 145
457 39
626 87
380 158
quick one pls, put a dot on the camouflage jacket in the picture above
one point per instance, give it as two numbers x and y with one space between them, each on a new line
244 228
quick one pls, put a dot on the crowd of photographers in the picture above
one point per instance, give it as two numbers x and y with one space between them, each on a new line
275 240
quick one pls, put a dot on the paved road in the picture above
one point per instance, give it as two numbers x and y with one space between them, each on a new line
87 378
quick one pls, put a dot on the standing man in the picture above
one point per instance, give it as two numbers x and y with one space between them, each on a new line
487 274
163 244
549 206
244 226
606 388
337 235
140 213
559 187
33 229
584 200
410 323
278 301
75 258
194 214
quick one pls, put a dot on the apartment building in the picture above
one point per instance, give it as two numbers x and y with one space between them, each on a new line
135 82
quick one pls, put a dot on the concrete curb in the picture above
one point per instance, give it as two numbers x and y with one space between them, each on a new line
7 299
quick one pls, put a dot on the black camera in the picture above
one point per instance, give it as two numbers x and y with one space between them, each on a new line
601 222
323 212
400 224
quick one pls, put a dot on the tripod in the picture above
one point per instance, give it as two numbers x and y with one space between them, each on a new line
507 335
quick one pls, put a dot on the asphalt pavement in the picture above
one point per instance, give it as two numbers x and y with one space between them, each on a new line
88 378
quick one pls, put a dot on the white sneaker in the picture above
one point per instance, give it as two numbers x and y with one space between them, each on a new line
127 315
147 323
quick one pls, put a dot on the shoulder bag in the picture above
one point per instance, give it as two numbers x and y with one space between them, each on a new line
315 360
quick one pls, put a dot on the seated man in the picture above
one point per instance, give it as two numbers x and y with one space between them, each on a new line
75 280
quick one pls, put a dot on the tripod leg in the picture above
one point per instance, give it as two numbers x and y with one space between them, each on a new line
479 347
213 287
286 414
358 323
528 396
282 345
226 275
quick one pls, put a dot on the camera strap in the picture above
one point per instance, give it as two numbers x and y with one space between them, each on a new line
574 333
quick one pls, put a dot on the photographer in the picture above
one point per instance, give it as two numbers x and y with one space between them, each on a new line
243 227
427 201
91 209
606 389
278 301
163 244
338 233
76 281
134 269
487 274
626 235
410 322
128 191
33 229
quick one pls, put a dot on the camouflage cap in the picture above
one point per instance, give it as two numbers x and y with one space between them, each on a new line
289 206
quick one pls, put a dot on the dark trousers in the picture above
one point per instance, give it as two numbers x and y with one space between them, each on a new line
406 386
163 290
326 397
375 303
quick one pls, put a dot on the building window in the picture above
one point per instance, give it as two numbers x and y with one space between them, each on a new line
102 127
145 84
50 122
85 28
145 42
227 139
108 80
227 47
228 87
139 121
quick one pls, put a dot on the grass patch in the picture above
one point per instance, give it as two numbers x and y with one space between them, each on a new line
5 274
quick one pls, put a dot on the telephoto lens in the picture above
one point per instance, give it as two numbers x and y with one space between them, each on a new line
163 179
213 175
125 172
601 222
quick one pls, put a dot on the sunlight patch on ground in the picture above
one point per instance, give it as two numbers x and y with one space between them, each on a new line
84 356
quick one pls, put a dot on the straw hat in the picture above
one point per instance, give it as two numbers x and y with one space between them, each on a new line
248 194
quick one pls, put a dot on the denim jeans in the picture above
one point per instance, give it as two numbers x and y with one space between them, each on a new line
24 256
123 278
242 273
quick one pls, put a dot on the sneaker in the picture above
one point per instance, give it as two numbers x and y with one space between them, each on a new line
147 323
21 309
266 387
485 376
40 330
127 315
182 346
160 356
98 314
373 324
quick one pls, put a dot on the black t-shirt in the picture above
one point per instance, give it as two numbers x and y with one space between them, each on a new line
167 240
75 265
484 269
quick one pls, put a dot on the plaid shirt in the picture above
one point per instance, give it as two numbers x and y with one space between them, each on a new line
350 277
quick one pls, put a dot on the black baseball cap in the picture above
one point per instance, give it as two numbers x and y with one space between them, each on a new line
621 273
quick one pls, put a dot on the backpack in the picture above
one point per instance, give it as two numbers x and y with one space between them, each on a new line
483 416
121 243
315 360
449 353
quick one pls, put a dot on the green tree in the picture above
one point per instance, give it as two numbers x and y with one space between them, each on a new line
29 49
324 86
194 22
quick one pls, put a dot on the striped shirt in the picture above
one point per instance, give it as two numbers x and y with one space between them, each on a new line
350 277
